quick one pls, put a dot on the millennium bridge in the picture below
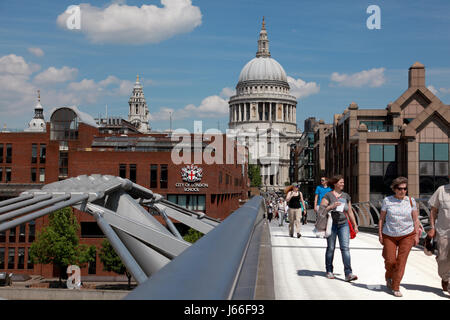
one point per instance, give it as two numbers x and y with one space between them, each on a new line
244 257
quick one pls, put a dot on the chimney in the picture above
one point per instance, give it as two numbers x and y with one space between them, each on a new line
416 76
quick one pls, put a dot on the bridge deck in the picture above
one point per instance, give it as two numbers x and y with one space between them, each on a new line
299 269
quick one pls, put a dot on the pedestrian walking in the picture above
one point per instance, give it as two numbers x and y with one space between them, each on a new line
398 232
440 230
269 210
338 203
320 192
293 198
281 210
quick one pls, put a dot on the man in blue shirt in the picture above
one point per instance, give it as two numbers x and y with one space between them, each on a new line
320 192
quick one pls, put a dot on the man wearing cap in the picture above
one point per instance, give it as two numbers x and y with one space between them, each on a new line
440 229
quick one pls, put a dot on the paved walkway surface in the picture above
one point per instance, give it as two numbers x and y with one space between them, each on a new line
299 269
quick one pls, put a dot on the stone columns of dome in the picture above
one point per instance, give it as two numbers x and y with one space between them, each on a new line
274 111
270 111
243 112
290 113
264 111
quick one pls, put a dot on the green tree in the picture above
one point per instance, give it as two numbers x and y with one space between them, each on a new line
192 235
58 243
254 173
111 261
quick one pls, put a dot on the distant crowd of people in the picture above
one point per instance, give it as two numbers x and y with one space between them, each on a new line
399 227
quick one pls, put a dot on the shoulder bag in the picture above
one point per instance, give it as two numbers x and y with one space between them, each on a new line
421 230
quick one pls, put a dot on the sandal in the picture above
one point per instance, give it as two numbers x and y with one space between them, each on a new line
397 293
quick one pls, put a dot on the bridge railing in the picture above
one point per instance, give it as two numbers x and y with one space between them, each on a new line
222 265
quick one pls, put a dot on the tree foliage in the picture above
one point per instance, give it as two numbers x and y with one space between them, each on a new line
58 243
192 235
111 261
254 173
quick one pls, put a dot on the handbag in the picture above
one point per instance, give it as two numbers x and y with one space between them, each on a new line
421 231
352 231
329 225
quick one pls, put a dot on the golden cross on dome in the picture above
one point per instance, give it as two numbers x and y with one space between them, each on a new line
39 95
137 78
264 23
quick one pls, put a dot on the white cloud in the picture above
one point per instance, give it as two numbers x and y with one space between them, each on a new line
38 52
16 65
442 91
432 89
372 78
227 92
211 107
54 75
120 23
301 88
19 86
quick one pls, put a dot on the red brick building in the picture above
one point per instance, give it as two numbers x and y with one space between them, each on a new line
74 145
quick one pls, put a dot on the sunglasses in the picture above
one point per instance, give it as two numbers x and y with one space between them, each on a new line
402 189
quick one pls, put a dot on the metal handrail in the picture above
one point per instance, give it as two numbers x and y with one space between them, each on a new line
211 268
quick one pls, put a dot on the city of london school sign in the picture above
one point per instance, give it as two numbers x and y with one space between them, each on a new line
191 175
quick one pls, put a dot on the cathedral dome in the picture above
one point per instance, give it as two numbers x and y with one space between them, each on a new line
263 68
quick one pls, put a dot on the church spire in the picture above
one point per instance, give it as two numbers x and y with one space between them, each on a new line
263 42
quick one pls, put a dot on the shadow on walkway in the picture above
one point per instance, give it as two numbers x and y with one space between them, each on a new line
312 273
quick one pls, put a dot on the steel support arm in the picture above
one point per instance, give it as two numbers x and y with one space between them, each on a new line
127 259
168 244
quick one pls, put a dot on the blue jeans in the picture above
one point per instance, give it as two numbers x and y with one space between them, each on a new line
342 231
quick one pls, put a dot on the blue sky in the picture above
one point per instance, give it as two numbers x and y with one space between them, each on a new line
189 59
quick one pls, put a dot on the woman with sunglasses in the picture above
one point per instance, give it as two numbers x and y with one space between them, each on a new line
397 231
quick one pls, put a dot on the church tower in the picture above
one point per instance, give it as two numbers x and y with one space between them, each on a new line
37 124
138 113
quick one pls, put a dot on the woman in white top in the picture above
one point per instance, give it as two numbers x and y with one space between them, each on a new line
440 229
397 231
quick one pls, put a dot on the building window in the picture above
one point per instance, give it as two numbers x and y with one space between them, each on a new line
42 153
133 172
194 202
11 256
30 261
153 176
22 233
2 258
92 265
91 230
433 167
2 236
383 170
123 171
63 164
41 174
34 153
21 258
8 175
1 174
1 152
12 235
33 174
9 153
164 177
31 231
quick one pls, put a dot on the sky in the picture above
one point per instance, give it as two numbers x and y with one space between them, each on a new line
189 55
